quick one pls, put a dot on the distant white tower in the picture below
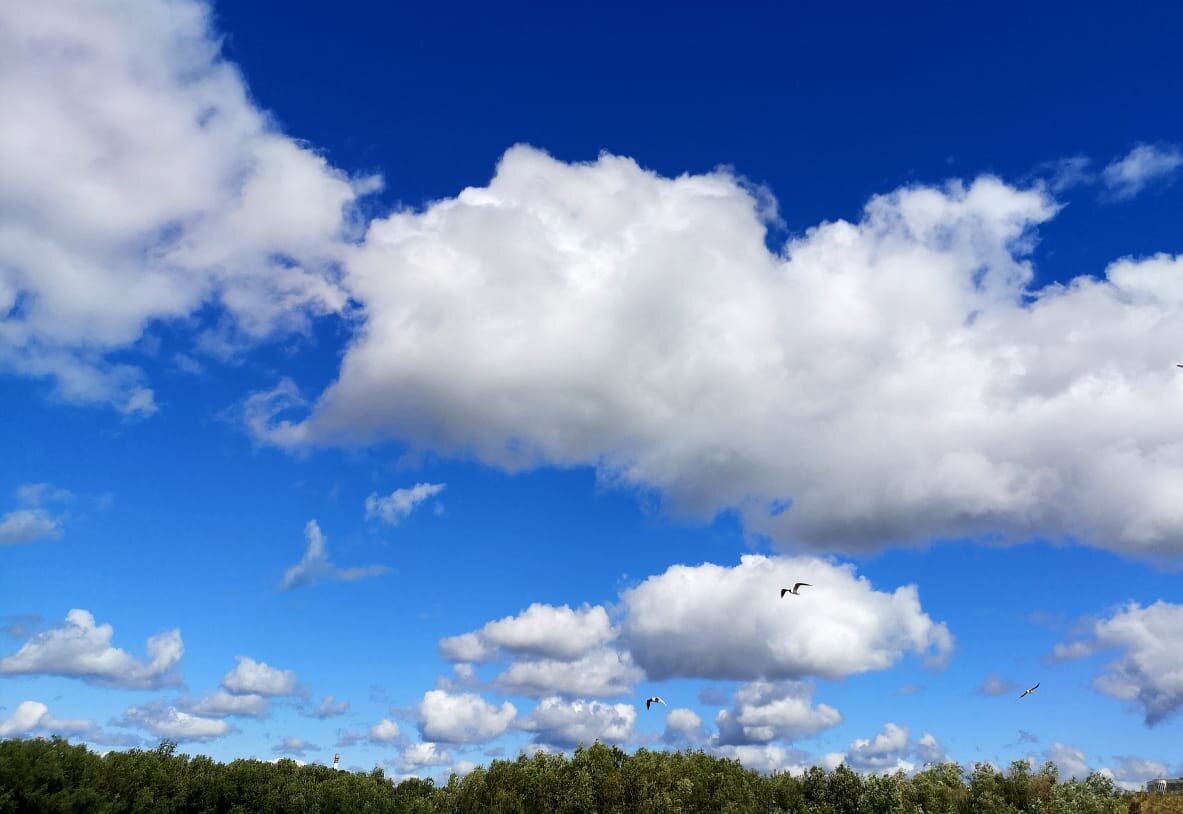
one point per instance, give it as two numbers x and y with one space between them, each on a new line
337 761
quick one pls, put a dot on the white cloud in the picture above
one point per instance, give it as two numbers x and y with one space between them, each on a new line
602 672
33 520
140 183
765 711
712 621
554 649
547 631
465 647
315 564
1133 772
33 718
995 685
568 723
259 678
39 494
1070 760
330 708
767 758
1143 165
1150 670
399 504
929 750
82 649
419 755
462 717
28 525
883 753
683 725
890 380
1067 173
169 722
222 704
292 745
385 731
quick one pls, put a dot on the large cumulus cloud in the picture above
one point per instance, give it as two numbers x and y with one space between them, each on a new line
891 379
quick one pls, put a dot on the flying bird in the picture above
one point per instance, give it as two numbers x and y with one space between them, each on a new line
793 590
654 700
1030 690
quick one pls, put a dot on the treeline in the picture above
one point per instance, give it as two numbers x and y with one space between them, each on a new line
55 776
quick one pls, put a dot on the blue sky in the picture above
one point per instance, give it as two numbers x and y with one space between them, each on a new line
426 384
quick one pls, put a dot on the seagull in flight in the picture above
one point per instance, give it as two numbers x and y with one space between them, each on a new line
654 700
793 590
1030 690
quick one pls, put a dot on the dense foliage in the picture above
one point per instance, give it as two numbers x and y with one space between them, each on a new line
55 776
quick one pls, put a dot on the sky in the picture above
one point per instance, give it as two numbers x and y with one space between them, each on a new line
432 383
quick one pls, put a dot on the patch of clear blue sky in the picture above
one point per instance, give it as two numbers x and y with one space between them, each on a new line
825 105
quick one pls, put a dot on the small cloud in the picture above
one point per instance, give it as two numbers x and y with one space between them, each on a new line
80 648
33 718
385 731
27 526
683 726
887 751
713 696
1068 173
259 678
462 718
1142 166
166 721
35 518
315 564
294 746
764 711
222 704
40 494
330 708
347 739
20 625
556 722
420 755
184 363
910 689
993 685
399 504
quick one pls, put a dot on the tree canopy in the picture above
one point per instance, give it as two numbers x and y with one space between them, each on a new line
53 775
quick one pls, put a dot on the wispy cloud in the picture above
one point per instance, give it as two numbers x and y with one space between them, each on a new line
315 565
398 505
1142 166
994 685
35 519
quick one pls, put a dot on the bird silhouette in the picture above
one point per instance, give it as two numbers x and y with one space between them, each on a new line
654 700
1030 690
793 590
